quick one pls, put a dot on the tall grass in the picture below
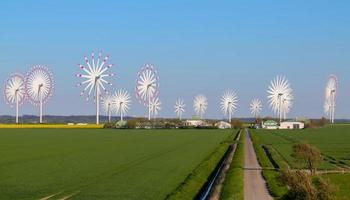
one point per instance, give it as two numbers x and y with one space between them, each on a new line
192 185
233 184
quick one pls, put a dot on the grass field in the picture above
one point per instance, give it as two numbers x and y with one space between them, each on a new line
342 181
333 141
99 163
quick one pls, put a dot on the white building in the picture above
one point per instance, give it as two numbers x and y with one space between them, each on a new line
195 122
269 124
223 125
291 125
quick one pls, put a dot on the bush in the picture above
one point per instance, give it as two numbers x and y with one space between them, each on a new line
131 124
236 124
303 186
317 123
325 190
109 125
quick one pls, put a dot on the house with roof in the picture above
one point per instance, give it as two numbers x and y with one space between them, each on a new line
269 124
292 125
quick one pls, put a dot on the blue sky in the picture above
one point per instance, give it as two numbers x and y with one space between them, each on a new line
199 47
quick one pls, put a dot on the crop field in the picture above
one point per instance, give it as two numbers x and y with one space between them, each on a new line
100 163
342 181
57 126
333 141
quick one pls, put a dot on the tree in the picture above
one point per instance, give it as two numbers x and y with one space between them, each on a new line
305 187
299 184
258 120
317 123
325 190
236 124
309 155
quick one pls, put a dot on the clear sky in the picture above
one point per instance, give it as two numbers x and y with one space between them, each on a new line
199 47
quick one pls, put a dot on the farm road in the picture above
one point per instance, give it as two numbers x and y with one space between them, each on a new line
254 184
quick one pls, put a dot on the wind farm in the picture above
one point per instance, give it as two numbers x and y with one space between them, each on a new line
175 100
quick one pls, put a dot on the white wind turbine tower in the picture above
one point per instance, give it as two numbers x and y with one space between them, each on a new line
39 87
122 102
179 108
229 103
280 96
15 92
330 97
200 105
109 107
287 104
147 87
95 75
255 107
155 107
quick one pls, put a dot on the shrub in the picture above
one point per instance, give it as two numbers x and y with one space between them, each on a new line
109 125
236 124
325 190
303 186
317 123
131 123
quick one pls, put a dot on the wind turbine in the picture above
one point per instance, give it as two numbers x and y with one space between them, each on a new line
200 105
95 75
147 87
330 97
255 107
280 96
179 108
122 102
15 92
39 86
229 103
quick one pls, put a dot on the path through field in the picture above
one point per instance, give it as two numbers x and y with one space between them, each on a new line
254 183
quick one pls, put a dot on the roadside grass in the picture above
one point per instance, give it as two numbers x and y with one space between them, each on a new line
342 181
101 163
233 187
332 140
276 188
194 182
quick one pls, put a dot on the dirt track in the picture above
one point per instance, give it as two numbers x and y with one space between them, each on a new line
254 184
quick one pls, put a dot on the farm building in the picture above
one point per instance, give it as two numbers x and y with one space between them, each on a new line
195 122
292 125
223 125
269 124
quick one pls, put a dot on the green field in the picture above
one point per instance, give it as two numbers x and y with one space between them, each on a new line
99 163
333 141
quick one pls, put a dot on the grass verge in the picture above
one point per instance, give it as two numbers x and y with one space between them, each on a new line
233 184
276 189
191 186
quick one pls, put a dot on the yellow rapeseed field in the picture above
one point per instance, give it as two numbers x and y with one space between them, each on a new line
49 126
